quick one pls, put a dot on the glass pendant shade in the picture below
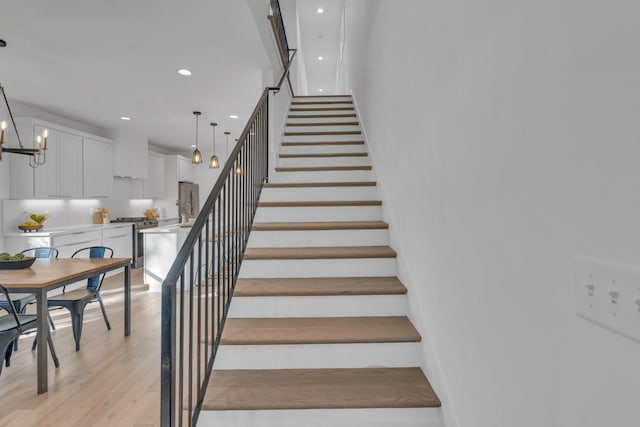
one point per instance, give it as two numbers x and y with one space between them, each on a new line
196 157
213 162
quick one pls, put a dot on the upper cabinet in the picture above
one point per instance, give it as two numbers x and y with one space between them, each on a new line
98 168
130 154
185 169
154 184
63 174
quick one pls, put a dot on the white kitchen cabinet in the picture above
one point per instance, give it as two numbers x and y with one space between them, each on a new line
62 174
67 244
69 166
130 152
120 240
98 168
154 183
185 169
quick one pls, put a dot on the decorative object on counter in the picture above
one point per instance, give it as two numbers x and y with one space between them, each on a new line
35 222
32 152
213 162
151 213
196 158
97 216
15 262
183 209
105 216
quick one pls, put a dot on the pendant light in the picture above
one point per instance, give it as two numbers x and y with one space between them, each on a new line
196 158
226 135
213 162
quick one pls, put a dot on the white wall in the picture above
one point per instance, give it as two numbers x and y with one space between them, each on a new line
504 134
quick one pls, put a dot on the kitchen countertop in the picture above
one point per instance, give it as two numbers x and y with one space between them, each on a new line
59 231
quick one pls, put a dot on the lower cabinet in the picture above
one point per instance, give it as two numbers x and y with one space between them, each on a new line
119 238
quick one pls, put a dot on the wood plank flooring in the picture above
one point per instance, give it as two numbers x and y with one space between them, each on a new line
319 388
112 381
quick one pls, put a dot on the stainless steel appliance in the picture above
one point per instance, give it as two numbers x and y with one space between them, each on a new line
188 192
137 246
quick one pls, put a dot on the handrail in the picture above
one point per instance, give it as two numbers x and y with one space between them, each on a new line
201 280
284 57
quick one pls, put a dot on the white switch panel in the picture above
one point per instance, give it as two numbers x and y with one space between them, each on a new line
608 294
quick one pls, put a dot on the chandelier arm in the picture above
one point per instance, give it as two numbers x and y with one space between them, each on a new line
11 115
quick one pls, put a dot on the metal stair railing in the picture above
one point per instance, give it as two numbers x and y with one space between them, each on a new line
197 291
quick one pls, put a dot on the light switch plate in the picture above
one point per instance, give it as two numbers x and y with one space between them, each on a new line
608 294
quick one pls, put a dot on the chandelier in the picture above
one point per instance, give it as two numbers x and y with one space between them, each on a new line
38 156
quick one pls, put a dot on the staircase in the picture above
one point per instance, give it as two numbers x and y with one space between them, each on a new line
318 333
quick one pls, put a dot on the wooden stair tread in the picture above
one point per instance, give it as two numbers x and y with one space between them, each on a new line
329 132
323 109
324 168
318 330
318 286
319 102
319 203
319 116
325 124
321 155
235 389
320 225
320 184
328 252
311 143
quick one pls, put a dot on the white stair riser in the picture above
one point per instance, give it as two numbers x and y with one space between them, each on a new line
321 149
322 176
317 138
332 128
320 306
312 238
318 356
349 267
331 213
379 417
324 161
319 119
289 194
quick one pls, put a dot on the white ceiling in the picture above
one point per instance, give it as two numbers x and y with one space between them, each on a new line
96 60
93 61
320 35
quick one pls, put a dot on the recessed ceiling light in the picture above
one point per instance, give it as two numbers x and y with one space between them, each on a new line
320 10
319 90
320 58
184 72
125 118
233 116
193 145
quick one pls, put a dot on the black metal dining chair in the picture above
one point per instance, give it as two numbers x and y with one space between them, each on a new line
21 300
76 300
15 324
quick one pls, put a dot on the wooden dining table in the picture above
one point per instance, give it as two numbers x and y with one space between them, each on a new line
48 274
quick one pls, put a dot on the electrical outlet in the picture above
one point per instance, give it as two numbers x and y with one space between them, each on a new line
608 294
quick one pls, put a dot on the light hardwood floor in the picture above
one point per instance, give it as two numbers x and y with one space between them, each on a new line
112 381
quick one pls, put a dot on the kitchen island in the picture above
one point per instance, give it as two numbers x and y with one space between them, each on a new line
161 247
